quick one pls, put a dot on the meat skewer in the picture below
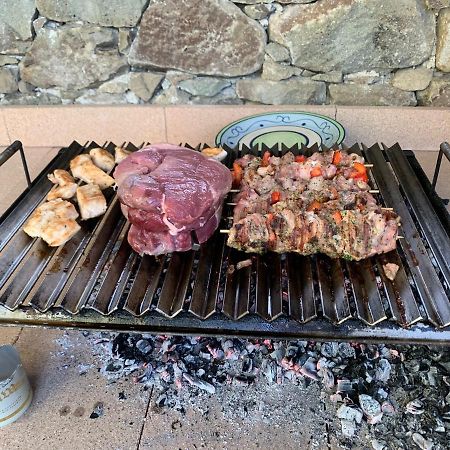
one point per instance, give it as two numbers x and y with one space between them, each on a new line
316 204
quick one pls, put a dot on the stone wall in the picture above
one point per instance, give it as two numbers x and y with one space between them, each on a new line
355 52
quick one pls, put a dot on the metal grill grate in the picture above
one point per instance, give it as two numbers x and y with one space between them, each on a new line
96 280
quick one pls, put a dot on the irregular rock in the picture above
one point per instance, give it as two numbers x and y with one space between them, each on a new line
371 408
124 39
204 86
373 95
398 34
296 91
34 98
412 79
93 97
8 81
6 59
329 77
15 23
226 97
347 413
437 93
144 84
117 85
259 11
25 87
348 428
39 23
421 442
277 52
437 4
443 41
71 57
170 94
276 72
363 77
199 36
109 13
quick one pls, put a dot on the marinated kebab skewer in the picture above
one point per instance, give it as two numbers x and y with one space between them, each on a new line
320 204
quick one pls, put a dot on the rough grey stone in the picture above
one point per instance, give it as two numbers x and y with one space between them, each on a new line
258 12
93 97
370 95
144 84
71 57
412 79
124 39
329 77
355 34
117 85
203 86
443 41
115 13
15 23
277 52
211 37
437 93
6 59
25 87
8 80
276 71
35 98
226 97
290 92
437 4
364 77
39 23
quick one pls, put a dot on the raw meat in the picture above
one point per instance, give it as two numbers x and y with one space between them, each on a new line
171 195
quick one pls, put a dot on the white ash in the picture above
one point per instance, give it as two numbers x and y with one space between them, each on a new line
384 394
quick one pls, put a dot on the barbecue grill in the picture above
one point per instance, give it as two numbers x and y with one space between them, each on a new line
96 281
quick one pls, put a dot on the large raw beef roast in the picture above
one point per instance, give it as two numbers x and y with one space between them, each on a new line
172 196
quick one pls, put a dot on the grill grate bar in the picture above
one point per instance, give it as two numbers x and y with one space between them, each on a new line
426 279
176 283
332 290
236 303
433 229
143 288
268 286
206 287
302 306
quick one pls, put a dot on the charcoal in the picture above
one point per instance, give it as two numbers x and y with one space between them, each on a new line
421 442
371 408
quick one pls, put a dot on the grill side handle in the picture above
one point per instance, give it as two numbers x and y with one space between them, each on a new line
15 147
443 150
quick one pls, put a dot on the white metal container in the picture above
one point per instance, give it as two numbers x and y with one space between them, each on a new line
15 389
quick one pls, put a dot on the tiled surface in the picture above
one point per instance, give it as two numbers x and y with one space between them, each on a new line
60 125
64 398
415 128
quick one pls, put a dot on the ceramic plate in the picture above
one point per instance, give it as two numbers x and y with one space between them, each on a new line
289 128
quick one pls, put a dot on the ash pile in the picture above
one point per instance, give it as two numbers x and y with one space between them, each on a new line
398 397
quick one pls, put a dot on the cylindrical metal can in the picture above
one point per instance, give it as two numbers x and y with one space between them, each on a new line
15 389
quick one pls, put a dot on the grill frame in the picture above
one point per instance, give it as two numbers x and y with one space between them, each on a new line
235 319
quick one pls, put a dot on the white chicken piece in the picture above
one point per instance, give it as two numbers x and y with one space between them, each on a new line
65 186
83 168
91 201
102 158
120 154
390 270
54 222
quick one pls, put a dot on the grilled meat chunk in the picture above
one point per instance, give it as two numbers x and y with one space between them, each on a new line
65 186
84 169
120 154
91 201
53 221
102 159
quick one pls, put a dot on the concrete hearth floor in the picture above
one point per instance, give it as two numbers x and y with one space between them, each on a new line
65 396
